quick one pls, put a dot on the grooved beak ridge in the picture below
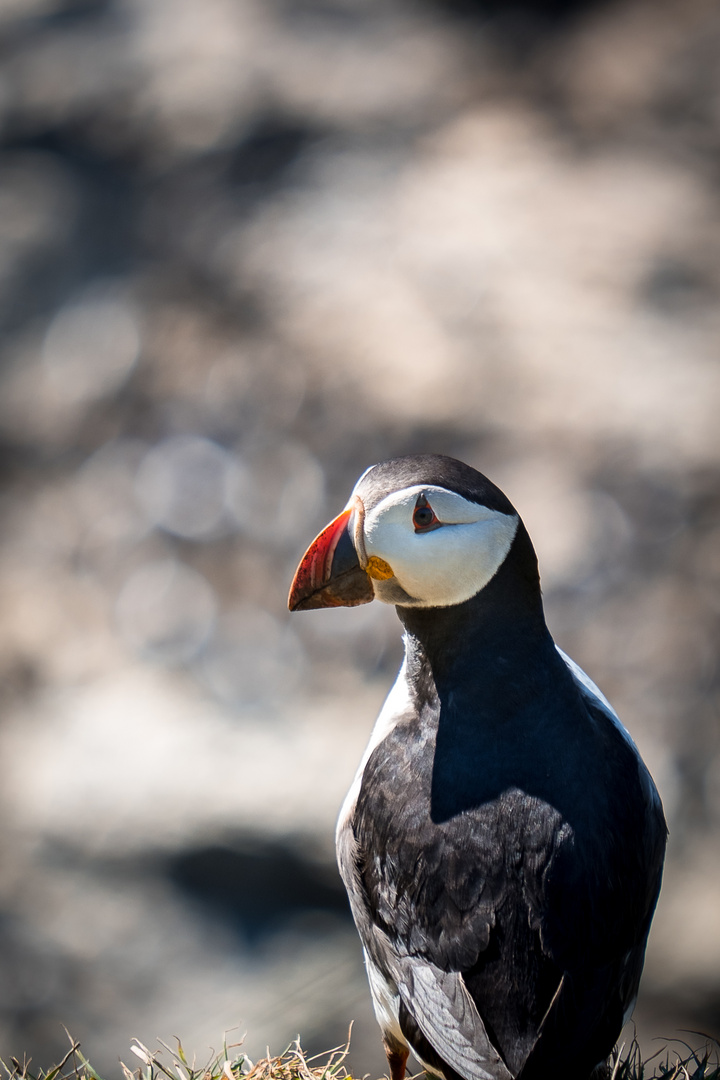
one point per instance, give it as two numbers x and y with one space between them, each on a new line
329 574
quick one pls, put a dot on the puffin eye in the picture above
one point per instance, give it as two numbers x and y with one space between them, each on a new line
424 517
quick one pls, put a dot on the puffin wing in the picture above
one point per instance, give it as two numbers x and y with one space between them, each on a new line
594 999
584 1019
437 1002
442 1008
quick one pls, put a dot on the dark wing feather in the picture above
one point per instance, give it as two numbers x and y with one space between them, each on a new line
441 894
448 1018
582 1024
596 997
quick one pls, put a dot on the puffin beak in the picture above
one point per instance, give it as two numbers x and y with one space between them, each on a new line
329 574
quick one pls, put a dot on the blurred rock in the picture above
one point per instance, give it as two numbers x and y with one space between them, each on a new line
166 611
181 485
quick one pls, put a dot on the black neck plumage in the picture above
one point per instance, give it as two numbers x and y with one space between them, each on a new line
504 620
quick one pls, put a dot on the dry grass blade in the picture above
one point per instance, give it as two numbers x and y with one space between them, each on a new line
293 1064
692 1065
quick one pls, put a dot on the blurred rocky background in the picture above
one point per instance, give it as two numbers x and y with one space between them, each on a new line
248 248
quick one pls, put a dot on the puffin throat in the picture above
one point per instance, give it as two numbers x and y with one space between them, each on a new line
505 615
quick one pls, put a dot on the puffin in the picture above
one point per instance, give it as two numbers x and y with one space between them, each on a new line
502 843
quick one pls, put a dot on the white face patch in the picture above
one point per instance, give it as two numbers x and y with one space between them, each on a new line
442 566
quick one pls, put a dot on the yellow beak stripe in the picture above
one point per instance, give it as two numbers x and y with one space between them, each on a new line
378 569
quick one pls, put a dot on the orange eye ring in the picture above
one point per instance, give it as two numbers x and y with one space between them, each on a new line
424 518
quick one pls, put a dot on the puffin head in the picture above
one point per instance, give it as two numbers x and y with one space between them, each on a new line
423 532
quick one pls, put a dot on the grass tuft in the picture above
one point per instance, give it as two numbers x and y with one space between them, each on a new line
229 1064
293 1064
667 1065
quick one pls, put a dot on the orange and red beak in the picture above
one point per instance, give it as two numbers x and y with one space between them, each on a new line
329 574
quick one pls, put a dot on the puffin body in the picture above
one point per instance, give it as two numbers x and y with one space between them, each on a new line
502 843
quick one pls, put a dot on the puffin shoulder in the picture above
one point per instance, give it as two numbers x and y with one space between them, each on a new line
592 694
595 700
